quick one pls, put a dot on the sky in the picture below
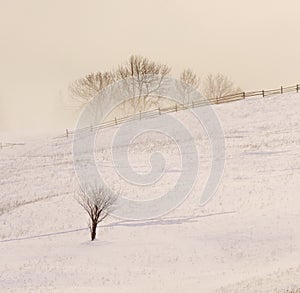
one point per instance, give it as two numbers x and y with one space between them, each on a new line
46 44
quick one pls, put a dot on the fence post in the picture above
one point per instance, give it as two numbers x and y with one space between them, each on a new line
263 93
116 122
67 132
281 90
244 95
297 88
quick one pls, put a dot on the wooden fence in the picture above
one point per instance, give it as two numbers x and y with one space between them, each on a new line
9 144
180 107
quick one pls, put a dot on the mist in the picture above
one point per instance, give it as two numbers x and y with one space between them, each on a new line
45 45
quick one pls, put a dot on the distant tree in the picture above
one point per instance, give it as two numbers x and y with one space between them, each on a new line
86 88
217 86
97 202
190 82
146 78
143 78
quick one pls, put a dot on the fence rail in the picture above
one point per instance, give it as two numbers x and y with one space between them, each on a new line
9 144
180 107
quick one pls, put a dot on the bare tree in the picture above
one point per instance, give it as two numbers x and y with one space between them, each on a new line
97 201
145 78
217 86
86 88
190 82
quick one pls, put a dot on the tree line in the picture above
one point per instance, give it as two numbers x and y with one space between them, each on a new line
212 86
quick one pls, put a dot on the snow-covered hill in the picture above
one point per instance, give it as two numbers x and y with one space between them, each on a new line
246 239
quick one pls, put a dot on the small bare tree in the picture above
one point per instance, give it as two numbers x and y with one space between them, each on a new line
97 201
190 82
217 86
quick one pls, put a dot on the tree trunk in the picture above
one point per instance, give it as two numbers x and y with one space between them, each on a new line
93 230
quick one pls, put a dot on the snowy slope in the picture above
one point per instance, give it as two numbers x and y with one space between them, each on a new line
246 239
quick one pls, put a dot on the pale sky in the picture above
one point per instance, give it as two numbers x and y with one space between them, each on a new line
46 44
